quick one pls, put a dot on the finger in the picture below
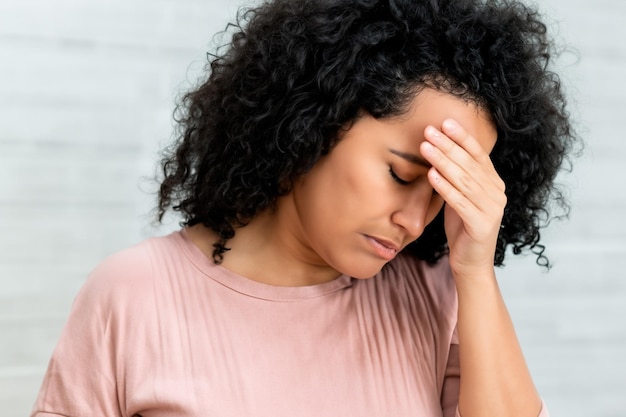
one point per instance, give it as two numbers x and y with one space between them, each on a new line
453 130
484 195
450 168
463 206
477 220
464 150
475 162
472 185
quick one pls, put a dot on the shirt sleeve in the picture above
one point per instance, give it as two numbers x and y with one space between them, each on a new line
85 375
451 384
79 380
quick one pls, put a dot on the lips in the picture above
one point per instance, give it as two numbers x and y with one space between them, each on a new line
384 248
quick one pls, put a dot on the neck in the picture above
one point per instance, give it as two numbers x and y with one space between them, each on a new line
268 251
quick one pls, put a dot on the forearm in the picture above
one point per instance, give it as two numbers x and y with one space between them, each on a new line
495 380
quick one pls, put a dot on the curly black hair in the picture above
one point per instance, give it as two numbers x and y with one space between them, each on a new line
297 72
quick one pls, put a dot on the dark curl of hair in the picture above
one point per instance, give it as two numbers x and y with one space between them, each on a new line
297 72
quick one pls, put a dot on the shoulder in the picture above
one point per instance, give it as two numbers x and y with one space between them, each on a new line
113 314
123 295
128 274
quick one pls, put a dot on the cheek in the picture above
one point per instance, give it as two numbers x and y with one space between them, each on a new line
341 190
321 199
352 185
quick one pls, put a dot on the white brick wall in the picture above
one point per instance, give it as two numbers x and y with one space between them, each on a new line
86 95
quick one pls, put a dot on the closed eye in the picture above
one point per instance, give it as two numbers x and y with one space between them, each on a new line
396 178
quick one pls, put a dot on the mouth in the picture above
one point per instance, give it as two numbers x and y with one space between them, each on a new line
383 248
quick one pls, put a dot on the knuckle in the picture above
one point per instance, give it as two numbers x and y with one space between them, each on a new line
503 200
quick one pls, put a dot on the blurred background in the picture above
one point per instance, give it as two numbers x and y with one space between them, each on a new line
87 91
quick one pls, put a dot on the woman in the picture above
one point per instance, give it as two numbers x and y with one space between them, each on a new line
348 176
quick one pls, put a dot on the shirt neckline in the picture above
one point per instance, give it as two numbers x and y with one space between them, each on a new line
250 287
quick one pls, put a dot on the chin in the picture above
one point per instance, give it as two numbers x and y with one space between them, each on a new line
364 270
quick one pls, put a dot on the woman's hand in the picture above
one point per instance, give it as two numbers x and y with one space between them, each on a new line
495 379
464 176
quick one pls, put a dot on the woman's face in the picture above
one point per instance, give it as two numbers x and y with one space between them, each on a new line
370 196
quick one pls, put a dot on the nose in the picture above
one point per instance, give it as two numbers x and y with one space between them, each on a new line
414 210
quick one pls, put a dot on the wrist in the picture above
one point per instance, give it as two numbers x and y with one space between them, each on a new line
475 278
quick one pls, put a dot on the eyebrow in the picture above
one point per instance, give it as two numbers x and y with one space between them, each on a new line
412 158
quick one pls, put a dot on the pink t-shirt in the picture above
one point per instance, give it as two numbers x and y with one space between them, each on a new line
159 330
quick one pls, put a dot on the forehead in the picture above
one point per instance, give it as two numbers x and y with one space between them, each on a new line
431 107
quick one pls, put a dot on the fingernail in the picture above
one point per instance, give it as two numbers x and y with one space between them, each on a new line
450 125
434 175
431 131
